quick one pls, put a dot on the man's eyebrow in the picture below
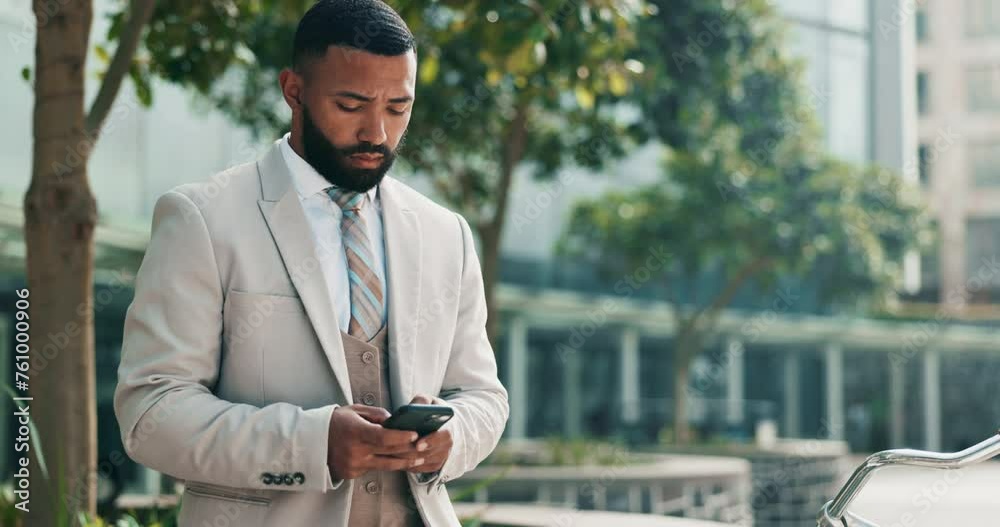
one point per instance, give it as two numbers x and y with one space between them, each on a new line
362 98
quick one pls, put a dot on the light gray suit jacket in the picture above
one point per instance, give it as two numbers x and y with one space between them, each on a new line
232 359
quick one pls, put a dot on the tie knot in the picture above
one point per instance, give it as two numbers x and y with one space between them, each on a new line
346 199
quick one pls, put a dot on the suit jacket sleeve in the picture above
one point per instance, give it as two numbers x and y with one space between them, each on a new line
170 419
471 385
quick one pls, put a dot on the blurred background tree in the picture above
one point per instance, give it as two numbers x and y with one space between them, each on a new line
747 194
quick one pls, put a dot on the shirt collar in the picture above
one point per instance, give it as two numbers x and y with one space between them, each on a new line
305 179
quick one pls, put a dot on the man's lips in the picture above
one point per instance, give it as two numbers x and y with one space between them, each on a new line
366 160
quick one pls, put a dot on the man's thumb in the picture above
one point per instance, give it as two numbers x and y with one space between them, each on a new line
372 414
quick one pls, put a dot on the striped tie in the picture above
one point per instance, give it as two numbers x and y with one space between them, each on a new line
367 305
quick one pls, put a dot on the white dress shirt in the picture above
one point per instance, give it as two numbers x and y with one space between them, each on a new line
323 216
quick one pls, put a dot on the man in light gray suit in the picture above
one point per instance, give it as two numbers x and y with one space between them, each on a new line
285 307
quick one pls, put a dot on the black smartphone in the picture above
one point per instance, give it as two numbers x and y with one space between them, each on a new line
420 418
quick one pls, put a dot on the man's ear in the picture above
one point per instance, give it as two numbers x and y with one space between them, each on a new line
291 88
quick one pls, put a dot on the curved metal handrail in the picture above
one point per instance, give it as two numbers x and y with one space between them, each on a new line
835 511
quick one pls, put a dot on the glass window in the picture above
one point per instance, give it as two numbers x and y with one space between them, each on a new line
983 85
924 164
809 11
984 162
982 18
810 45
982 245
923 95
930 273
921 20
849 14
849 115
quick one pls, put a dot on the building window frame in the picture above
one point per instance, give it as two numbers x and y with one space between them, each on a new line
984 163
981 19
924 164
923 93
922 23
982 88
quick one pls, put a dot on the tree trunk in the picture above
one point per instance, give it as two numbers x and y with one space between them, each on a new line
60 214
688 346
691 333
682 431
491 232
490 239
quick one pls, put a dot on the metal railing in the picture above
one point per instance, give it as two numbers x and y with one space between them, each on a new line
835 513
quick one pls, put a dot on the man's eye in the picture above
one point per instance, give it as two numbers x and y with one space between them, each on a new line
397 112
348 108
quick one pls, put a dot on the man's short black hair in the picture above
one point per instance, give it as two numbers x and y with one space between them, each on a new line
367 25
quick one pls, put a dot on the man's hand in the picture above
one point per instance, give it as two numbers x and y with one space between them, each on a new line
358 443
434 447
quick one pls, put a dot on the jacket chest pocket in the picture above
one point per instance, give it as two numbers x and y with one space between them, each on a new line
273 354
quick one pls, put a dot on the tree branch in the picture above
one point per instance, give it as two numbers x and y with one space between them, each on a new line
140 11
721 300
465 190
513 150
688 329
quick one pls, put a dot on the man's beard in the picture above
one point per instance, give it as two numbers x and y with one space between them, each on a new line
333 163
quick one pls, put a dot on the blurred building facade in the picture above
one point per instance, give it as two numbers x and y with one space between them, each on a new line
958 101
574 368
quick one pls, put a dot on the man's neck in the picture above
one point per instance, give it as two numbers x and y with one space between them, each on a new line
295 141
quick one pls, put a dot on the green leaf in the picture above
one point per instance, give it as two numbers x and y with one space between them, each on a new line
26 73
584 97
522 60
617 83
493 77
429 68
143 90
102 53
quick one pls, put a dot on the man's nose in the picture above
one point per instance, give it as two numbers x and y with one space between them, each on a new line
372 129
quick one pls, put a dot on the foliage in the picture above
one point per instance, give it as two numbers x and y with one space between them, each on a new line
126 520
579 451
716 63
558 451
559 66
852 223
9 513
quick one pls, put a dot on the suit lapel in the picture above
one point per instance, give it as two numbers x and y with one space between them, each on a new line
403 246
287 222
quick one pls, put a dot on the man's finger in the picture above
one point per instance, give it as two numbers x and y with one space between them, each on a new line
379 437
431 463
372 414
434 440
421 399
407 449
393 463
